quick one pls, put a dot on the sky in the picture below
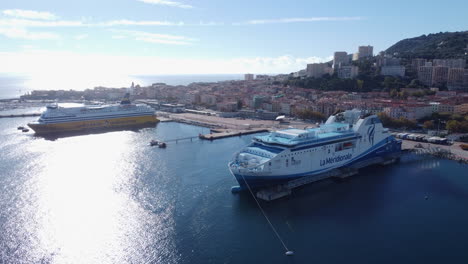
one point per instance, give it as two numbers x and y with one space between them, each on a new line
124 37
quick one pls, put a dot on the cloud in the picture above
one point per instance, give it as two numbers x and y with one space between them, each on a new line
103 66
37 23
125 22
21 33
80 37
29 14
296 20
157 38
167 3
79 23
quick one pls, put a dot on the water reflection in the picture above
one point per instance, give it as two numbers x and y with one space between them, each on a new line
55 136
78 204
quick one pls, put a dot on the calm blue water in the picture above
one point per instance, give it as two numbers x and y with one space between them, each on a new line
12 86
110 198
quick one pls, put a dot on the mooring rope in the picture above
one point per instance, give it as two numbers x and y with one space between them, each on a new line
264 214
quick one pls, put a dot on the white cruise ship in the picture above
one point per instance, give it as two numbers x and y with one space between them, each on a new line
58 119
344 139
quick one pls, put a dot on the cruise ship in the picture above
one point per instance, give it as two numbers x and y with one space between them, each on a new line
57 119
343 140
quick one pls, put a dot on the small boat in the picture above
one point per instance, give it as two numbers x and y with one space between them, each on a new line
20 127
25 130
162 145
154 142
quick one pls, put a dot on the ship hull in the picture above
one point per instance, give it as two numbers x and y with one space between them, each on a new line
98 124
259 181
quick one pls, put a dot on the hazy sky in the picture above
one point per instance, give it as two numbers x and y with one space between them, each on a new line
206 36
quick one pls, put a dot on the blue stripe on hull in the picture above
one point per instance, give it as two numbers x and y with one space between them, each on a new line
263 181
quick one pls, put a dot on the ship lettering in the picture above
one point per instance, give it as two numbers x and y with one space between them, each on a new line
332 160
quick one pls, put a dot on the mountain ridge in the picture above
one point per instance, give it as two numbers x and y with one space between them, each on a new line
442 45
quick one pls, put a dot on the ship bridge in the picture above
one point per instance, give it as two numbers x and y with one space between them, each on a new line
293 136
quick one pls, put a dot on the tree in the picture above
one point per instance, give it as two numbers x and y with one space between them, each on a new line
429 124
452 126
239 104
311 115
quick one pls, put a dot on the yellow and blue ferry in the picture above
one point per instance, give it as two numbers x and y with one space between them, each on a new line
57 119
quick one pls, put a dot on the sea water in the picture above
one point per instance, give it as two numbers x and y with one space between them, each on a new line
111 198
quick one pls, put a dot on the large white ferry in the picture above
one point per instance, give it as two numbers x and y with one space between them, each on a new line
345 138
76 119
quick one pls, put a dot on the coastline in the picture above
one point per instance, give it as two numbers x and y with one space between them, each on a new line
222 126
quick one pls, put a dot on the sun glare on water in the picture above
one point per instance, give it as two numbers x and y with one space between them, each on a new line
86 209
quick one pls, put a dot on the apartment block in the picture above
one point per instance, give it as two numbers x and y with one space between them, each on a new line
248 77
455 79
439 75
317 70
340 58
451 63
393 70
425 75
366 51
416 63
387 61
347 72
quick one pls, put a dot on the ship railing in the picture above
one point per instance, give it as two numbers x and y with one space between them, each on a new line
245 165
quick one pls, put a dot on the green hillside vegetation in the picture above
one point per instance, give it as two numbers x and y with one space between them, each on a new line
443 45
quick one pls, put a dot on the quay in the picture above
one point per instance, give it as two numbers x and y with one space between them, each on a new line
451 152
20 115
230 133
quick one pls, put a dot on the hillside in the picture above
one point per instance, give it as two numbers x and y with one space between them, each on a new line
433 46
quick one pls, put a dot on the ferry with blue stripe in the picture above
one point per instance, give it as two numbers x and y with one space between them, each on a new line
345 138
57 119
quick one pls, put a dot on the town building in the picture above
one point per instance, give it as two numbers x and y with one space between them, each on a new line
461 108
340 58
366 51
348 72
455 79
439 75
425 75
416 63
393 70
263 77
387 61
317 70
451 63
248 77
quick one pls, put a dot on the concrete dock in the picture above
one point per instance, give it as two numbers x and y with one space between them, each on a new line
219 133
